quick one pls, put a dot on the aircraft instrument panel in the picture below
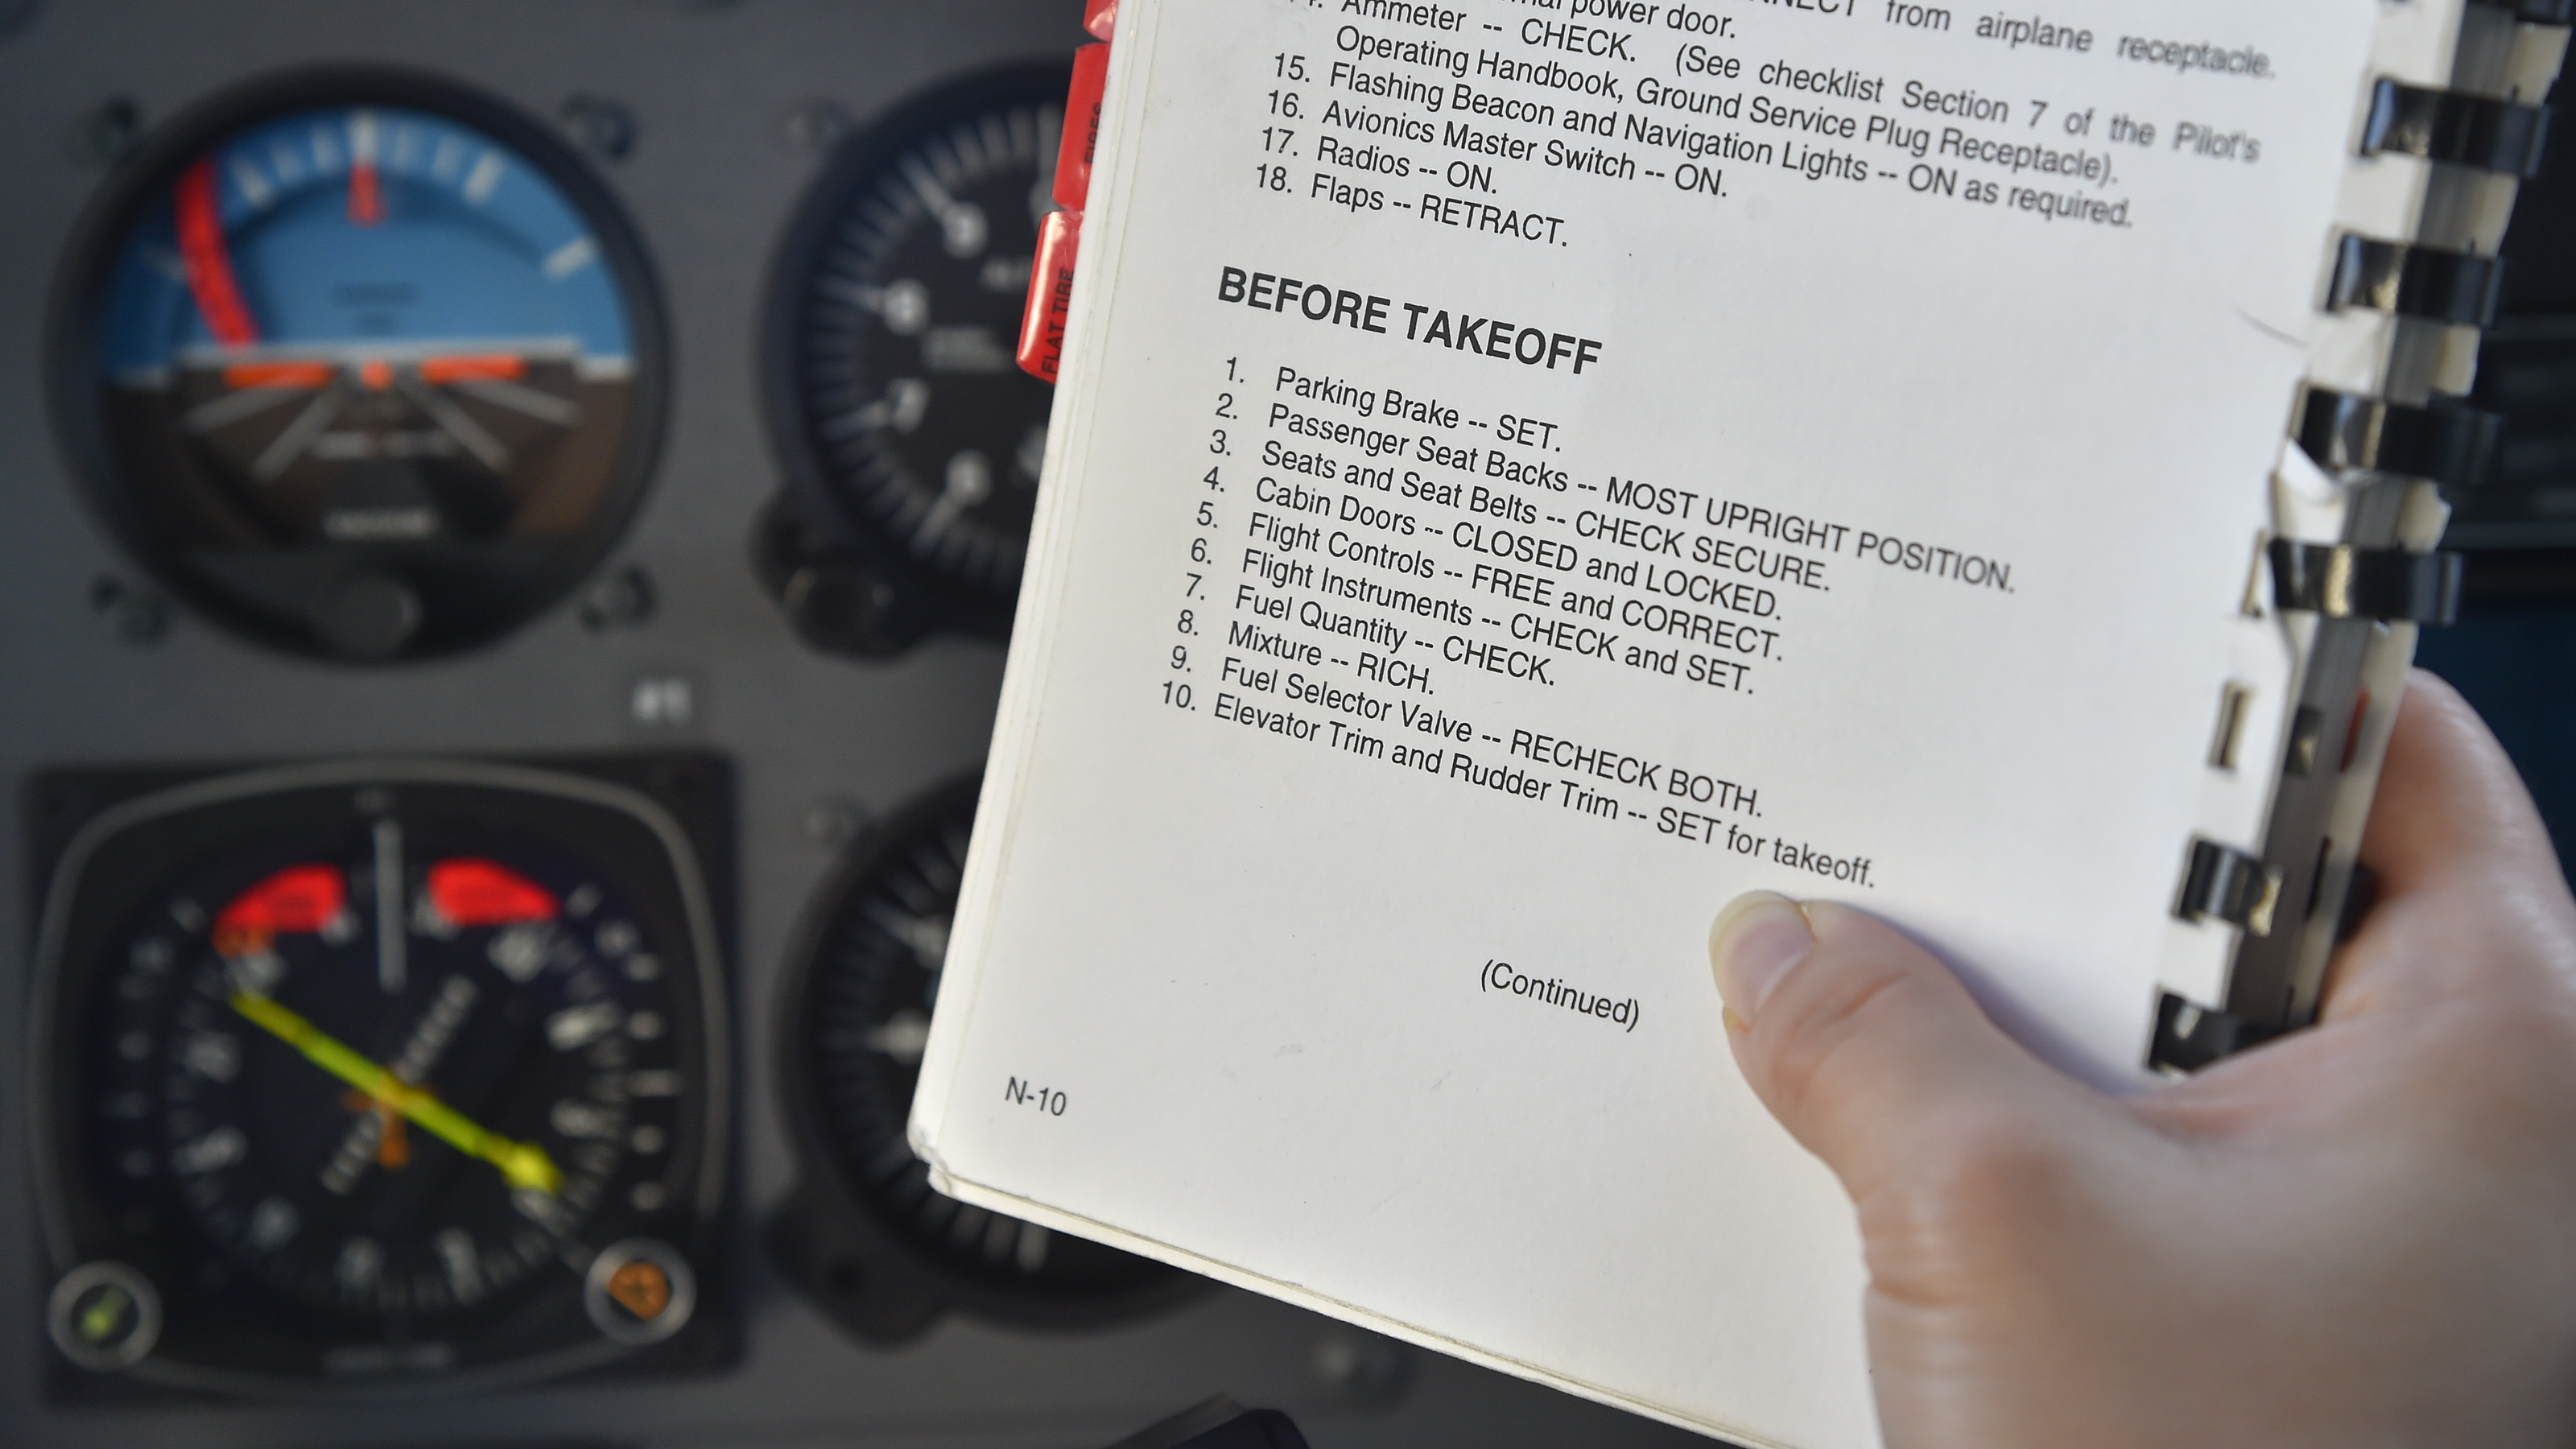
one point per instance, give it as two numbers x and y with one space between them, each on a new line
513 515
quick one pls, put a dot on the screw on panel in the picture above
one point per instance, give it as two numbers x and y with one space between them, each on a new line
623 600
604 128
105 133
835 821
816 125
846 607
1363 1366
366 615
134 615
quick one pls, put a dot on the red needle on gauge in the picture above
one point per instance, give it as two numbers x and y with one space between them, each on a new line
366 188
366 195
210 269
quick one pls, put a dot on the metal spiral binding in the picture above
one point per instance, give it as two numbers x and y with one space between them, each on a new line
2449 445
2472 131
2362 596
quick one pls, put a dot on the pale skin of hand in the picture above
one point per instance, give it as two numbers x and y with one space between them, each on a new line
2361 1235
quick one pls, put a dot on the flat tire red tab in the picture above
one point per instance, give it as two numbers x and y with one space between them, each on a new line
1050 296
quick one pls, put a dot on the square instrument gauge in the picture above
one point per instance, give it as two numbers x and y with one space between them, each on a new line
381 1076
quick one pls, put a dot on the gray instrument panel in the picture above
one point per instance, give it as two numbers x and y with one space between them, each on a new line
733 105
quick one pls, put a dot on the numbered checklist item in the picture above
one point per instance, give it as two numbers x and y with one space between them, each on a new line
1527 471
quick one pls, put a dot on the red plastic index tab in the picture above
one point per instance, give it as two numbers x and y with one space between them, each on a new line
1100 17
1050 295
1081 142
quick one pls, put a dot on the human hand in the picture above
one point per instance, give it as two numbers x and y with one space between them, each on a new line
2363 1234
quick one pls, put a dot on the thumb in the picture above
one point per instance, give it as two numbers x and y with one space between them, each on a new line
1862 1044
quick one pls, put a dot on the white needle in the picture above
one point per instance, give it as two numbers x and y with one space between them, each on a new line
393 966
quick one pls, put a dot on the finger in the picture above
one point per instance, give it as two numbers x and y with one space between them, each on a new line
2449 800
1862 1044
2470 892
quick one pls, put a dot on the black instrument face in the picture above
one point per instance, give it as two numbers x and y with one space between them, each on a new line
381 1082
364 364
856 1017
895 392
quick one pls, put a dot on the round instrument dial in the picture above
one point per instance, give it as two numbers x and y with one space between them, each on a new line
393 1087
363 364
856 1018
896 396
370 1088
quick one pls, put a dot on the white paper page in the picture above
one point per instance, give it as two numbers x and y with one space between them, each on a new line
1953 467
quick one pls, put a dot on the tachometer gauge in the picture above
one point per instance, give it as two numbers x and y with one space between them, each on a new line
911 439
376 1076
867 1236
363 364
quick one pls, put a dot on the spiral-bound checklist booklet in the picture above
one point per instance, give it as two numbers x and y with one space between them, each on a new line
1526 471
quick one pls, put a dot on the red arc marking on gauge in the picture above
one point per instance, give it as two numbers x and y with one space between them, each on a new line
210 270
300 899
470 892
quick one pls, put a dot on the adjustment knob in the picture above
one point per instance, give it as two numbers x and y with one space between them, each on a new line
367 615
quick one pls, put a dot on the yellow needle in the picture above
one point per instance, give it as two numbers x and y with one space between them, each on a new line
522 1164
